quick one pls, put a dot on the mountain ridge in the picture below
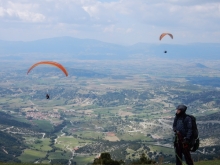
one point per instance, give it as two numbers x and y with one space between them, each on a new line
88 49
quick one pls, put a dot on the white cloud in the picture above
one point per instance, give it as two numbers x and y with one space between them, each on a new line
91 10
125 20
21 12
129 30
110 28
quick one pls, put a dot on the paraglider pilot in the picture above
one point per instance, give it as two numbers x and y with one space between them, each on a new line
47 96
182 138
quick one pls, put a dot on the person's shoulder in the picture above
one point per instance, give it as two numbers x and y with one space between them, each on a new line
188 117
175 117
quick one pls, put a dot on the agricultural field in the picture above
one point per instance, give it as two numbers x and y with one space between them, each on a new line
31 155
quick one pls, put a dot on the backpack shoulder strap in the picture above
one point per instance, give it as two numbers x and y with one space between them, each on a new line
184 117
183 120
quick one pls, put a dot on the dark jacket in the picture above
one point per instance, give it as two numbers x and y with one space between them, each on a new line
183 124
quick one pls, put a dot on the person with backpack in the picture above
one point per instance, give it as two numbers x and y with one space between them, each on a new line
183 128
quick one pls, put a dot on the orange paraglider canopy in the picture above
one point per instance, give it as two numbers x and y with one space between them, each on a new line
49 63
163 34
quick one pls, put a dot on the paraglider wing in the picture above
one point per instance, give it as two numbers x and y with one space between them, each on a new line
49 63
164 34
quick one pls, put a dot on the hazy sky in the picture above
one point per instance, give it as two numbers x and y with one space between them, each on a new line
116 21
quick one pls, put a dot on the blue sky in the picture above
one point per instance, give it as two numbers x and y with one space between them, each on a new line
115 21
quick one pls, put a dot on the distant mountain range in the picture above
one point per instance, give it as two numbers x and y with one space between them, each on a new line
93 49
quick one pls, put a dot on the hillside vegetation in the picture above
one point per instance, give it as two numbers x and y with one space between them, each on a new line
209 162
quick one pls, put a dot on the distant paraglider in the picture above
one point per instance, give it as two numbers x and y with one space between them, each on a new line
163 35
49 63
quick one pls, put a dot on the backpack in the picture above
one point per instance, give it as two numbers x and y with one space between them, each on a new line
194 139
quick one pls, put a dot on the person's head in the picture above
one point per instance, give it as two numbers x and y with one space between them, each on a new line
181 109
178 111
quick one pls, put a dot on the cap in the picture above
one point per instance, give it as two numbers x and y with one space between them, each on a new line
181 107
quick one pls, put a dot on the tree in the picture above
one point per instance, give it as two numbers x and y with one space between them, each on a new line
143 160
105 159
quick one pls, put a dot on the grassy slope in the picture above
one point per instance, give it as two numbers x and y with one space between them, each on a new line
31 155
210 162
